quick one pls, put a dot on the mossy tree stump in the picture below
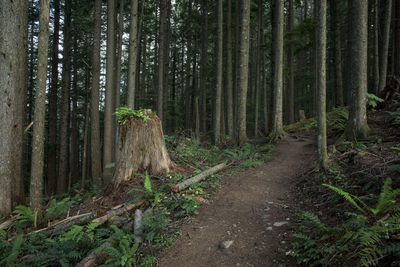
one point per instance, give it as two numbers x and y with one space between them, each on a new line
142 147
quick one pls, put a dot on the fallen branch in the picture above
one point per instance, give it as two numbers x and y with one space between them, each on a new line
195 179
116 212
96 257
7 224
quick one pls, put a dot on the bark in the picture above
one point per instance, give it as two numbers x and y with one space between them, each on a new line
229 78
13 25
188 94
337 50
277 117
357 126
384 49
376 46
197 178
120 33
243 72
218 91
203 67
396 32
142 149
290 58
95 145
52 144
110 86
65 101
36 186
162 58
133 54
321 84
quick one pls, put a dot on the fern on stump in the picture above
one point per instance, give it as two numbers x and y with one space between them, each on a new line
142 146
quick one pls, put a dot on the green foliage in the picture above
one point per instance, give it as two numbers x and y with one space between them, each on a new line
57 209
123 114
373 100
25 216
369 237
154 227
148 193
11 259
395 117
250 164
123 251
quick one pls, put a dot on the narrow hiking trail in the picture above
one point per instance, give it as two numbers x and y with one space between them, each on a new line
253 209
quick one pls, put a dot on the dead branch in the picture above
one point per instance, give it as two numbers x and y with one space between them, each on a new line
195 179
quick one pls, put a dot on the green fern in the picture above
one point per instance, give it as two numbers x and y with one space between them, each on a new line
373 100
355 201
11 259
57 209
387 199
25 216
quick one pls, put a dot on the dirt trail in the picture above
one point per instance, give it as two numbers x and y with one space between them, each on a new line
253 209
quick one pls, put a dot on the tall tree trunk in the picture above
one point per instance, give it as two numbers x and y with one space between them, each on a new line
203 67
110 87
13 36
321 84
337 50
384 50
161 58
188 87
229 78
277 117
290 57
36 187
95 146
259 67
133 53
52 144
65 101
376 46
357 126
218 91
119 55
243 72
396 32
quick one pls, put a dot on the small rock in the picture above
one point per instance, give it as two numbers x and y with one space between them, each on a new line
279 224
269 228
226 244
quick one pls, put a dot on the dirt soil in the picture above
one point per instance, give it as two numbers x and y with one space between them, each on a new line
254 209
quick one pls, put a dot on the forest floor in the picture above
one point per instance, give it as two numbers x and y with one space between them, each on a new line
248 221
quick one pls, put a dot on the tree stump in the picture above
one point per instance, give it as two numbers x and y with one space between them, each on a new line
142 149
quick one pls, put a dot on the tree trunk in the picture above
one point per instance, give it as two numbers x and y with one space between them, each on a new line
133 53
321 84
142 149
36 187
376 46
229 78
65 101
218 91
384 50
290 57
337 50
95 146
162 58
13 25
277 117
110 87
203 67
243 72
52 143
357 126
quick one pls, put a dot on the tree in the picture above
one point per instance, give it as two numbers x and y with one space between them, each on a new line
13 25
65 102
277 114
243 72
95 147
162 57
384 49
36 188
290 58
321 84
357 125
110 83
229 78
53 91
218 91
133 54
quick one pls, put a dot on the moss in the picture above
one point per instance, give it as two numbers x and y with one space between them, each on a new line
276 135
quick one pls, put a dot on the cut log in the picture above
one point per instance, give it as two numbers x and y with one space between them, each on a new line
142 149
195 179
7 224
116 212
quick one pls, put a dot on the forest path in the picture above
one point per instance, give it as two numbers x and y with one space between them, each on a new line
253 209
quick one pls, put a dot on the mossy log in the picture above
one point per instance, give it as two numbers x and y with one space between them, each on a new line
142 149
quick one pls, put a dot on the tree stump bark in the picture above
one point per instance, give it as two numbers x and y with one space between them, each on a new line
142 149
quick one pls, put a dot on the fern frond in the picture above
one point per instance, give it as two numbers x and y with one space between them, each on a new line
355 201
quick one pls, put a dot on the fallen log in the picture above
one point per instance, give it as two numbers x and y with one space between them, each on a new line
195 179
7 224
96 257
116 212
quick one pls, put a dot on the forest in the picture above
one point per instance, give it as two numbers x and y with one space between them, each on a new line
199 133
